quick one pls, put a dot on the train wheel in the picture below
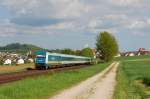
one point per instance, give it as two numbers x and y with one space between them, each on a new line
37 68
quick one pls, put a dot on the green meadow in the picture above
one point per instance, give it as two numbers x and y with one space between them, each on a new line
133 79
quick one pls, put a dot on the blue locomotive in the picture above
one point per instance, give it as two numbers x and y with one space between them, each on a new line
45 60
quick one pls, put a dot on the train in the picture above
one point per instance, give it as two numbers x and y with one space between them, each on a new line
45 60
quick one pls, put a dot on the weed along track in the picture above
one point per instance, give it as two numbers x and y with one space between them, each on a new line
11 77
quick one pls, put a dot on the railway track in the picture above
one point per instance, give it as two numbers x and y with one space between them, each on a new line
11 77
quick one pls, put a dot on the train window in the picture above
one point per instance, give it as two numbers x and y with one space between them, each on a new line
52 58
40 56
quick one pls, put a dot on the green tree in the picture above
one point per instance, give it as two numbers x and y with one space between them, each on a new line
78 52
68 51
87 52
106 46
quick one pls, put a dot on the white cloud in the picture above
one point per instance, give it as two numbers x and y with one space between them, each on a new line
138 34
47 8
115 17
148 21
61 26
137 24
132 3
79 15
97 25
10 29
93 23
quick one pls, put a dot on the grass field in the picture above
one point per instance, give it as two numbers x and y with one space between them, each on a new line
45 86
133 80
133 58
14 68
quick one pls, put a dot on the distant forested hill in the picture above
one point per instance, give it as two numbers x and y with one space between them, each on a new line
17 47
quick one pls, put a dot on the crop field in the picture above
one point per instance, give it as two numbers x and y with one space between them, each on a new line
14 68
133 80
43 87
133 58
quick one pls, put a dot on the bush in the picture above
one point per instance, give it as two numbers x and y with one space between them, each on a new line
87 52
146 81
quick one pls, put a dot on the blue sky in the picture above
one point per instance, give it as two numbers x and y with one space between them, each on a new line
75 23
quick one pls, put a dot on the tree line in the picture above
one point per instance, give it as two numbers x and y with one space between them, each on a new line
87 52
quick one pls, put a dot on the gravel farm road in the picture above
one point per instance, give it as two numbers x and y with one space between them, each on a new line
100 86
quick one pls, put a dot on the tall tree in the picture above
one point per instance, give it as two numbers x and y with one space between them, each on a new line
106 46
87 52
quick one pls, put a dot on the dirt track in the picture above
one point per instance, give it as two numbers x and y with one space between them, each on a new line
100 86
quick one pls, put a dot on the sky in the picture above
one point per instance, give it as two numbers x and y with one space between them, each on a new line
75 23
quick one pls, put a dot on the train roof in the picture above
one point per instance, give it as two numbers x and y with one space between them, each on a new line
65 55
62 55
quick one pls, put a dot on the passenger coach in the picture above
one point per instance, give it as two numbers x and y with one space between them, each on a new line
45 60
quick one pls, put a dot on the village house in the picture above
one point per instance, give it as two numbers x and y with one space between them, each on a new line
31 60
7 58
140 51
131 54
20 61
143 51
7 62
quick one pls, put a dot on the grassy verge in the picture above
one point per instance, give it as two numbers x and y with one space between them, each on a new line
130 79
124 88
45 86
14 68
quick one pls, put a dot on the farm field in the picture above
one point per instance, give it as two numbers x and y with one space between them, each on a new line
43 87
133 58
14 68
133 80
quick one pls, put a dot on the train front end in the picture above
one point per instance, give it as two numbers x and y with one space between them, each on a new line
40 60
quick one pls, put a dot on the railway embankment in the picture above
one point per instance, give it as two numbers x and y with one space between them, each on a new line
48 85
11 77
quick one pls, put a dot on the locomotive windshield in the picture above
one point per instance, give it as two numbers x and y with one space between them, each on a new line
40 59
40 56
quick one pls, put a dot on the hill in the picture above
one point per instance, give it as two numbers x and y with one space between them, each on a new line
17 47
